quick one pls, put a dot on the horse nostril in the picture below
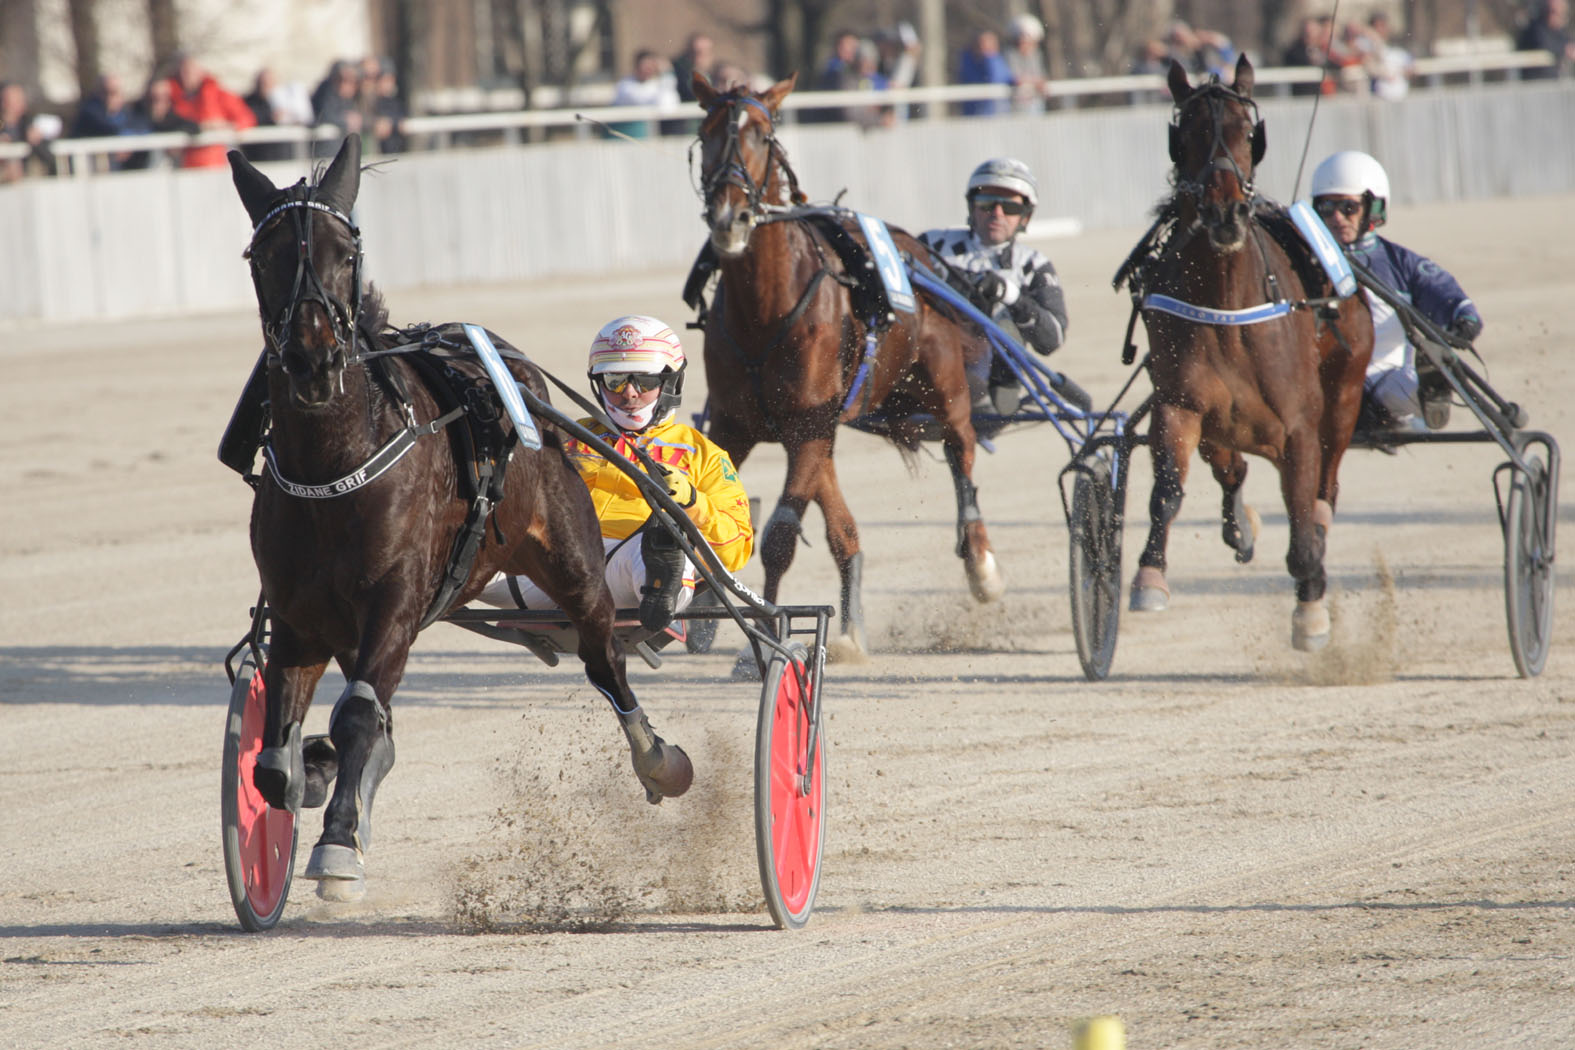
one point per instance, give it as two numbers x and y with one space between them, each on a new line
295 362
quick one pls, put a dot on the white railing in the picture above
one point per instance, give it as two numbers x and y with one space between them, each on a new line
84 156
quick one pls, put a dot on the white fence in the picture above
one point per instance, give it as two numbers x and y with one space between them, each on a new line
169 242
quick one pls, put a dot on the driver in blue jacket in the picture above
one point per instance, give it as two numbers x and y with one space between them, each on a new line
1350 192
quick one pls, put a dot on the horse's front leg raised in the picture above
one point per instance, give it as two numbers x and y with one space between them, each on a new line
973 541
808 461
290 677
1173 435
1299 480
1239 523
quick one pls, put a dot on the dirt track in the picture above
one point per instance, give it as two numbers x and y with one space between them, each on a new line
1229 844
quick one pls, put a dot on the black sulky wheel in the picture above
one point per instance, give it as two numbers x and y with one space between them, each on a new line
790 767
1095 569
1529 521
259 841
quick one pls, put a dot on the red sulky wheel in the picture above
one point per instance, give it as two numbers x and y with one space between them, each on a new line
259 841
790 765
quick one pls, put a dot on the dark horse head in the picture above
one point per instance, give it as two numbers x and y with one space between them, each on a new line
1216 142
739 160
305 256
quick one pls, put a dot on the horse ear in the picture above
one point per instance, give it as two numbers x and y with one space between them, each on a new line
778 91
254 187
1177 79
1260 143
705 94
1244 77
342 181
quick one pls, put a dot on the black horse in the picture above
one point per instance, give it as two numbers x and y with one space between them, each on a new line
375 513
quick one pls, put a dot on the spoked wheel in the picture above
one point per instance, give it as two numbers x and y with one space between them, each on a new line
790 763
1095 563
259 841
1529 520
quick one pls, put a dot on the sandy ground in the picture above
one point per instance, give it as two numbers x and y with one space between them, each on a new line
1228 844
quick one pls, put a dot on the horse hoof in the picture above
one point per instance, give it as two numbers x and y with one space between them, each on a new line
322 765
336 863
847 649
1254 524
984 579
1310 626
745 669
664 769
280 774
1149 591
341 891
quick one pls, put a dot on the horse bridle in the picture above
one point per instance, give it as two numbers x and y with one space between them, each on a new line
1219 158
342 317
731 170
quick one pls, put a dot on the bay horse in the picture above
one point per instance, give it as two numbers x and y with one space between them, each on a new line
788 356
1249 349
353 561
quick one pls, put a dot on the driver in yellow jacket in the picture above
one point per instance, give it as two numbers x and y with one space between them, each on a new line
637 373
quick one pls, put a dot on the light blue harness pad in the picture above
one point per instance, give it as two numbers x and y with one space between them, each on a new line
888 263
507 386
1329 254
1205 315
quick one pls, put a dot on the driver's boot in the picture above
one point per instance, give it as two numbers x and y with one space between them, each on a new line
664 577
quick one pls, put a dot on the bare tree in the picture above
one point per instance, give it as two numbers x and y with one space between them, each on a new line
164 30
84 33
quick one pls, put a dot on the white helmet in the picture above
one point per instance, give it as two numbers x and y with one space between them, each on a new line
1007 174
643 345
1352 173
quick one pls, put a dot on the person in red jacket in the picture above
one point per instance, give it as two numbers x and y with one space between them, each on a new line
197 97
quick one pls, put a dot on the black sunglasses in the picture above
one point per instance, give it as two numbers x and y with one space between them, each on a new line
988 202
616 382
1328 206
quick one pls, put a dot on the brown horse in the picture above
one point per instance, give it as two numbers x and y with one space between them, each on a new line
354 542
788 355
1287 387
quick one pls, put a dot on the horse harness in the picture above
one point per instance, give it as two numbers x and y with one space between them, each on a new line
1165 238
483 446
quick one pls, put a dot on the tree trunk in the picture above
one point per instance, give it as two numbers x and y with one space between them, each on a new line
164 31
84 33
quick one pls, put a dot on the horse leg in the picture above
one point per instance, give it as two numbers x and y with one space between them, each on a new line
842 537
1300 468
361 729
1173 435
806 460
567 561
973 542
1230 470
292 673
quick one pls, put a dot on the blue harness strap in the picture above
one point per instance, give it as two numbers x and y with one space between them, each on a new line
1205 315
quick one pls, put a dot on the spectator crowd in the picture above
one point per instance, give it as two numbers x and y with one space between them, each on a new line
1364 55
355 96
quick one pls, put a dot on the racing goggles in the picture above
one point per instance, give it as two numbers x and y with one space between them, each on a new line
1008 205
618 382
1327 206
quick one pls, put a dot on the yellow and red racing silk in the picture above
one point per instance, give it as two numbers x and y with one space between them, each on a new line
721 509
